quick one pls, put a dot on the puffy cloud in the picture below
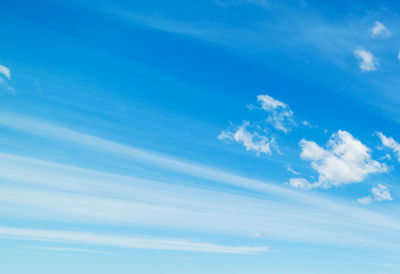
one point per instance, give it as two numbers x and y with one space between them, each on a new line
379 193
391 143
379 30
252 140
367 60
345 160
280 115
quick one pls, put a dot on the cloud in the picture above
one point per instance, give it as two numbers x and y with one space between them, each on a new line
308 217
345 160
291 170
379 193
5 72
379 30
391 143
301 183
281 117
66 249
229 3
123 241
251 140
253 134
367 60
5 77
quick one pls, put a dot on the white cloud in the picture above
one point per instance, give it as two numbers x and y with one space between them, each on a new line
391 143
308 124
5 77
301 183
280 113
291 170
345 160
251 140
304 209
365 200
254 134
379 30
66 249
5 72
123 241
367 60
379 193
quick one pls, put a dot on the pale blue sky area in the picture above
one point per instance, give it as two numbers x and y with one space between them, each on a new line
218 136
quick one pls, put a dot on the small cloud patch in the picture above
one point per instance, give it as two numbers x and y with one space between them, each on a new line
379 193
366 60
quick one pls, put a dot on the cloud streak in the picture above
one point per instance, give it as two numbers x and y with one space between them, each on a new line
130 153
5 72
123 242
74 195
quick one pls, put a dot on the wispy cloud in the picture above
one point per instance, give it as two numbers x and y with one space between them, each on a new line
379 193
124 242
256 135
129 153
5 72
301 183
390 143
379 30
5 77
229 3
291 170
280 115
345 160
252 141
66 249
367 60
54 192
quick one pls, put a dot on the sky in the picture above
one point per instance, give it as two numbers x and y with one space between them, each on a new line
216 136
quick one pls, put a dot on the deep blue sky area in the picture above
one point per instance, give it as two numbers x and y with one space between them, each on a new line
218 136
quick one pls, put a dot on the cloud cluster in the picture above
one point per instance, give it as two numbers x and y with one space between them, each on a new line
379 193
345 160
367 61
251 140
256 135
391 143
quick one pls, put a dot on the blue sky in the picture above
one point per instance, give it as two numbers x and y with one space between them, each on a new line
221 136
